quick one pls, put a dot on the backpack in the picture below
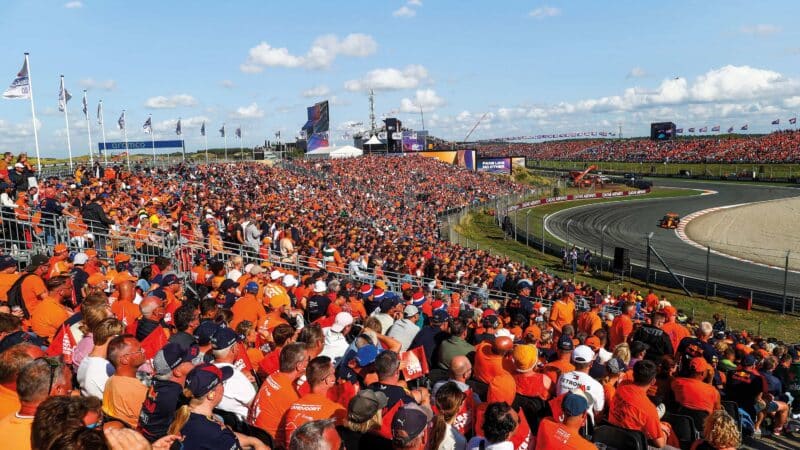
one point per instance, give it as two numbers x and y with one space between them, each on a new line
14 295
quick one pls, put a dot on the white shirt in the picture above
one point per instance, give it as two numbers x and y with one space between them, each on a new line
234 274
239 393
93 373
453 440
604 355
475 444
335 345
575 380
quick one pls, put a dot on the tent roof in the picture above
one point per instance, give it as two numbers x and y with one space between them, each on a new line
373 141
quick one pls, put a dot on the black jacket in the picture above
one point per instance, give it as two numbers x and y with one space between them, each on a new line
659 342
95 217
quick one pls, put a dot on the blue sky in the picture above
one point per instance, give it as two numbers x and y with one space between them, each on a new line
535 67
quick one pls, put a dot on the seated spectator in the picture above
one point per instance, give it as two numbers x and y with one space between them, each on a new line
315 405
12 361
721 432
444 435
409 425
95 369
171 365
631 409
124 393
696 392
499 424
363 421
239 391
567 432
316 435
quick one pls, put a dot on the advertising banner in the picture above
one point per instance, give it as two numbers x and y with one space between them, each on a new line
569 198
414 141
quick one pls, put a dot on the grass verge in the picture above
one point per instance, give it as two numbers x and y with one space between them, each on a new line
711 169
479 230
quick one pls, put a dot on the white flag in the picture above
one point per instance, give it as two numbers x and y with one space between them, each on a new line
63 97
148 126
21 86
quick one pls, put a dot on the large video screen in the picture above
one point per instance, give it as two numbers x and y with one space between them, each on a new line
414 141
494 165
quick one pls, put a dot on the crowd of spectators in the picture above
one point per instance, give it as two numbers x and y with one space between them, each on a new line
106 348
777 147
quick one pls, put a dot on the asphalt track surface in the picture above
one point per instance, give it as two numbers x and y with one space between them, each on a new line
629 222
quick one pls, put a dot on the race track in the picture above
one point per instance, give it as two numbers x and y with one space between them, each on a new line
629 222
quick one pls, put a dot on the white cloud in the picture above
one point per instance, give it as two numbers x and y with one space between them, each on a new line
409 77
316 91
415 2
73 5
162 102
252 111
544 12
637 72
322 54
762 29
91 83
227 84
426 99
731 92
404 12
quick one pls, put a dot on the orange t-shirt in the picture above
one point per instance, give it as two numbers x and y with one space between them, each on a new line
32 288
621 328
557 367
563 313
6 281
9 401
651 301
16 432
126 311
247 308
631 409
488 365
589 322
553 434
272 401
694 394
123 398
312 407
676 333
47 317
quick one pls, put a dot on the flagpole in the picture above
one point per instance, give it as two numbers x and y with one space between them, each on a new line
152 138
241 149
103 129
88 129
33 112
205 135
66 121
125 135
225 137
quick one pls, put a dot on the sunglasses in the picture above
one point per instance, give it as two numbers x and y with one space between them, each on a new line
54 364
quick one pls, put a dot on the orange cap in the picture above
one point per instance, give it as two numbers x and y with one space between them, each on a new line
699 365
90 252
121 257
593 342
96 279
59 248
124 276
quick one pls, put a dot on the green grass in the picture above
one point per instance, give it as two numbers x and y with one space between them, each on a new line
537 214
713 169
478 229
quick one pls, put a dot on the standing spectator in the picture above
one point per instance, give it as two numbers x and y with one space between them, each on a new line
622 326
654 336
95 217
124 393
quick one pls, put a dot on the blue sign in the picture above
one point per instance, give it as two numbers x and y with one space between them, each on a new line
138 145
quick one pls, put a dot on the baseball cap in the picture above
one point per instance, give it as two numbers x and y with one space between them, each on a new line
699 365
204 331
171 356
257 270
251 286
377 293
592 342
583 354
410 311
748 360
96 279
320 286
574 404
7 261
170 280
36 261
275 274
615 366
525 357
290 281
440 316
365 291
80 259
565 343
670 311
366 355
60 248
205 377
224 337
227 284
365 405
409 422
121 257
342 320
